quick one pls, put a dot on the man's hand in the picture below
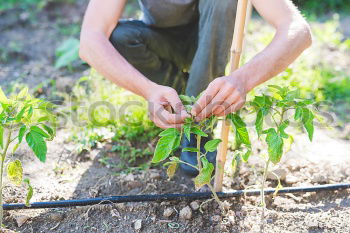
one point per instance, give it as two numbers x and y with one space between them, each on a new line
224 95
161 102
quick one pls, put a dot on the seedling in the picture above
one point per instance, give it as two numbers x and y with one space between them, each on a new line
277 106
170 139
22 116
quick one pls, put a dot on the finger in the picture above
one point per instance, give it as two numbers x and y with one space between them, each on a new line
166 117
232 108
232 99
216 101
205 99
175 102
163 125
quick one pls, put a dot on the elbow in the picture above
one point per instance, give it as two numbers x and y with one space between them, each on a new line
83 51
305 34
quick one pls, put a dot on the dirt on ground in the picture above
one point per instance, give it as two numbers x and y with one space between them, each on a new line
67 175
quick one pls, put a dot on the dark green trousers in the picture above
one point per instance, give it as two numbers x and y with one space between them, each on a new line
186 57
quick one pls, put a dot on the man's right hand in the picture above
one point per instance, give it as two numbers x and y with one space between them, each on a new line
165 107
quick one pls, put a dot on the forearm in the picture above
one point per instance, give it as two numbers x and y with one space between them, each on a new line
99 53
289 42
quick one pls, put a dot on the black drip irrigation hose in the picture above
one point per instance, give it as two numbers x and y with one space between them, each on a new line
169 197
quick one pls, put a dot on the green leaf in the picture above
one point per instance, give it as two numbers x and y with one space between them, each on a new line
29 193
37 143
190 149
187 131
246 155
259 122
212 145
198 132
298 113
30 112
164 148
21 113
15 172
49 130
282 127
169 132
67 53
21 132
204 175
39 131
291 95
1 137
307 120
275 145
242 135
15 148
171 170
186 100
23 93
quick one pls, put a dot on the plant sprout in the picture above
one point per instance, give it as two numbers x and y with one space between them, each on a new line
276 106
22 117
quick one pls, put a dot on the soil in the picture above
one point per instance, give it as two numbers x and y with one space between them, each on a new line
67 175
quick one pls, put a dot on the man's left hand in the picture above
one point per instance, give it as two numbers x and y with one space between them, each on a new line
223 95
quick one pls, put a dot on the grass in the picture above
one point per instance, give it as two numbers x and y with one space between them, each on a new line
98 112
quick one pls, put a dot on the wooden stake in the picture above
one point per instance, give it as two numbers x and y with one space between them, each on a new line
236 50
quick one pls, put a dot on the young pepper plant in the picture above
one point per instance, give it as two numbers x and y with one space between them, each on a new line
22 117
170 140
277 109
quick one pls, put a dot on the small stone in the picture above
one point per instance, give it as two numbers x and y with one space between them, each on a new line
168 212
134 184
231 219
312 224
319 178
115 213
129 177
194 205
64 84
120 206
56 217
290 179
138 224
216 218
186 213
164 203
154 176
21 220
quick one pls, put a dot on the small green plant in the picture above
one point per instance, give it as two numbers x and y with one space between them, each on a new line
22 117
99 112
277 106
170 139
67 53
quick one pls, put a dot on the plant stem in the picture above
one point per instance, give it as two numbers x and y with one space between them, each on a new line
262 196
199 152
188 164
3 156
216 196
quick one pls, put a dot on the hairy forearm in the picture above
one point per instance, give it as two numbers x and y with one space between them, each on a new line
289 42
99 53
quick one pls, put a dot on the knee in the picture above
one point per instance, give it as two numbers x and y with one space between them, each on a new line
124 36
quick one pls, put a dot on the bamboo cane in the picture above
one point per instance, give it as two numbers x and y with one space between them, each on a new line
236 50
